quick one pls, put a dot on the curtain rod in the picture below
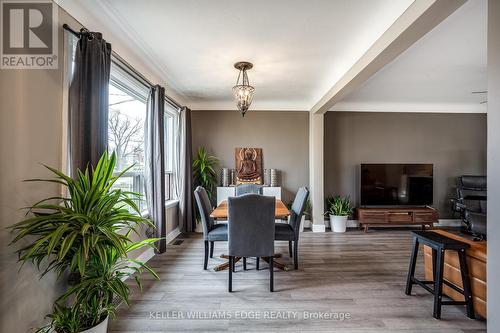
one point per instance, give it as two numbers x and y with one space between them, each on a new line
138 75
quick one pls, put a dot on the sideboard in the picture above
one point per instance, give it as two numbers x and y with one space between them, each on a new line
224 192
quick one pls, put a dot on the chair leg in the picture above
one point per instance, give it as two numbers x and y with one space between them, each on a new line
230 280
271 274
290 248
233 265
411 269
296 254
244 263
466 284
212 249
257 262
438 284
205 261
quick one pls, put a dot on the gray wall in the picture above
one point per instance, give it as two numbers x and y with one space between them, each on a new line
283 137
454 143
31 133
493 165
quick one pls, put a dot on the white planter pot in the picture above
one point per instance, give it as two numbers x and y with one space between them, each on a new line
199 227
338 223
101 328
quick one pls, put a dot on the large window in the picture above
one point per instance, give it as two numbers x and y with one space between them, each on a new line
127 116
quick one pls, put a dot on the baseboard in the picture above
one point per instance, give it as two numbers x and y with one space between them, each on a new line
318 227
173 235
355 224
145 256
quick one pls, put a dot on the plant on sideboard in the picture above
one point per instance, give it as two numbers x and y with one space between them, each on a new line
87 234
338 208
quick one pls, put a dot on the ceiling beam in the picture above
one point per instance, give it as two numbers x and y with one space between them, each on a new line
420 18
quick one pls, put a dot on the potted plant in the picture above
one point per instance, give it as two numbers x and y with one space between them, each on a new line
87 234
204 175
339 208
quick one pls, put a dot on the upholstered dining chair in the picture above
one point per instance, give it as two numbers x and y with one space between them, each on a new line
211 232
290 231
248 188
251 230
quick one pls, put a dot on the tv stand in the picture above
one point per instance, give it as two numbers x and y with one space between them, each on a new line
386 216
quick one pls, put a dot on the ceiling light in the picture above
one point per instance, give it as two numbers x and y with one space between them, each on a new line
243 91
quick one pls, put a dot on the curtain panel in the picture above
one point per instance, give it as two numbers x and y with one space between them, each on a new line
88 101
154 174
184 171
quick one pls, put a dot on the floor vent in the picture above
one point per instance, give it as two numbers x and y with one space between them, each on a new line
178 242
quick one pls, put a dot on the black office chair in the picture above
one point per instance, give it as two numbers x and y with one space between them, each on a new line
471 198
291 231
251 230
248 188
211 232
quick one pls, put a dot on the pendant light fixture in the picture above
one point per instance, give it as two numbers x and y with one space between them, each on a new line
243 91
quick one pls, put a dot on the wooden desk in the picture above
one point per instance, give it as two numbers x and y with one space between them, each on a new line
220 212
280 212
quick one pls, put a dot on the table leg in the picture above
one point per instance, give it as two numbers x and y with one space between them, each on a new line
225 265
277 264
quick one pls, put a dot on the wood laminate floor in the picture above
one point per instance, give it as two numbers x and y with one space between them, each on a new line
357 276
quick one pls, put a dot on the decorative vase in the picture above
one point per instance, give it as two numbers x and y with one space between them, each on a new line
338 223
274 178
100 328
225 177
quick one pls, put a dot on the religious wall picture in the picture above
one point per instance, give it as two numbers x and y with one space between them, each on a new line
248 165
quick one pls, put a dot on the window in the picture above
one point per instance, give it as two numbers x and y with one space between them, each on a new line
170 135
127 117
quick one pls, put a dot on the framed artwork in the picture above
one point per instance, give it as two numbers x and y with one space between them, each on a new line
248 165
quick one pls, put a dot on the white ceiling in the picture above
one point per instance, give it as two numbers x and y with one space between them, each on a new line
300 49
436 74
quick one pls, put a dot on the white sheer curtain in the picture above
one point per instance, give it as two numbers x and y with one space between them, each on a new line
183 170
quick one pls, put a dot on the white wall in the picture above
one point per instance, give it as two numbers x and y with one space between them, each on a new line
493 165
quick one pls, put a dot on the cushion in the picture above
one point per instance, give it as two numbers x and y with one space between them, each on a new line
284 231
218 232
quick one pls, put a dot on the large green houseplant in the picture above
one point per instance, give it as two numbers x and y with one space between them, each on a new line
204 173
87 234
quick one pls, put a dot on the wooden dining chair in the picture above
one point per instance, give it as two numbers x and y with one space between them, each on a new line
251 230
211 232
248 188
291 231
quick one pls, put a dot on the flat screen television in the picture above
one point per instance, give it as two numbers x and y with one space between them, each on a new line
396 184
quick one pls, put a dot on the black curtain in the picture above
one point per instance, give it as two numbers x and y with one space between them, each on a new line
155 163
184 171
88 101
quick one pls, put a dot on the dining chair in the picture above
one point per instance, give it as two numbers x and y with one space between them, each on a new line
248 188
290 231
251 230
211 232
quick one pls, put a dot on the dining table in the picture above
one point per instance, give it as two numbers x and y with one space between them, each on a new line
220 213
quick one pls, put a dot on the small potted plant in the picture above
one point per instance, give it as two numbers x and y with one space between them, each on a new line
339 208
